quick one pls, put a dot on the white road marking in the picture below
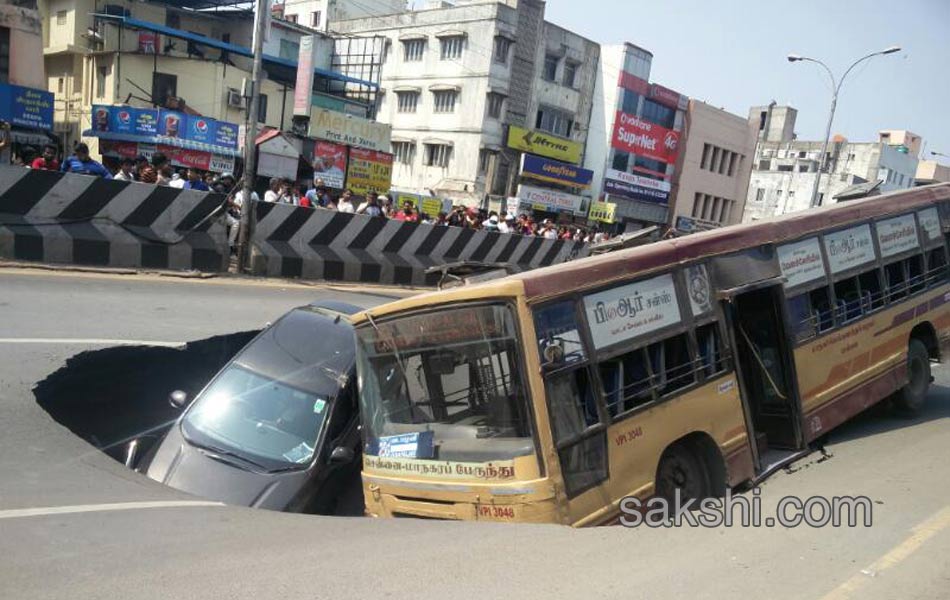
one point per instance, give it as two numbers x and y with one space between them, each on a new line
92 342
19 513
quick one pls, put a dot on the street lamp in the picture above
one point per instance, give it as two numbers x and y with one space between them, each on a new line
836 84
932 153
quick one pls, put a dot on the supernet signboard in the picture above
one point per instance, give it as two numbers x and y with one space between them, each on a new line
638 136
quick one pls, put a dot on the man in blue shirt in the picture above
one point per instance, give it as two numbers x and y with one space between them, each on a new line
195 181
80 163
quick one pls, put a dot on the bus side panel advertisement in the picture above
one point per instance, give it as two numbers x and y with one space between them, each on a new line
329 164
930 224
801 262
849 248
369 171
625 312
897 235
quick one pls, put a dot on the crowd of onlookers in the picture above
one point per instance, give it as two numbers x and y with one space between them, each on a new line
158 170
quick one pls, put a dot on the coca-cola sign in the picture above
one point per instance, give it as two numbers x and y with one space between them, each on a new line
637 136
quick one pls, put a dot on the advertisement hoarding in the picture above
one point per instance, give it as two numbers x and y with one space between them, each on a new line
369 171
353 131
544 144
602 211
640 137
201 129
179 157
551 200
26 107
636 187
149 122
329 164
304 85
553 171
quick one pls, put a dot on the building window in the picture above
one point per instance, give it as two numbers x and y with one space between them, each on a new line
554 121
452 47
4 54
496 103
406 102
697 198
262 108
760 194
502 47
733 159
621 162
316 17
289 50
445 100
785 168
570 74
438 155
654 112
484 160
707 148
61 85
550 67
414 50
290 18
60 17
648 164
101 74
404 152
630 103
723 162
803 168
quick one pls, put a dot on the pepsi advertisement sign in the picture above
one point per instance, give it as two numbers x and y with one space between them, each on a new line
146 121
201 129
122 120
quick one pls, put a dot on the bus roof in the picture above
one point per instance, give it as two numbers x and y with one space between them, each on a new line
599 270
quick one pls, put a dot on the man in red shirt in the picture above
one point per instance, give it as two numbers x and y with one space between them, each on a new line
48 161
407 214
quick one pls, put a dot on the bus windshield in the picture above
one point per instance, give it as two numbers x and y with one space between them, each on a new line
444 385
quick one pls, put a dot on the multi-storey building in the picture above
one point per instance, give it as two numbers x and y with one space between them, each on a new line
785 168
712 174
321 14
457 77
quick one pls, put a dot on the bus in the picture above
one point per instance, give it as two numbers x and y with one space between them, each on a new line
694 364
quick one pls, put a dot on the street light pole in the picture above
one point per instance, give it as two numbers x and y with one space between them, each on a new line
250 147
836 89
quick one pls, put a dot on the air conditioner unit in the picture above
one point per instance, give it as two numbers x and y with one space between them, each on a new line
235 100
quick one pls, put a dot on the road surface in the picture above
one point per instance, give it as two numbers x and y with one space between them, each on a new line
75 524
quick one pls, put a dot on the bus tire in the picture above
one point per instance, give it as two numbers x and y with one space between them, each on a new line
910 399
682 469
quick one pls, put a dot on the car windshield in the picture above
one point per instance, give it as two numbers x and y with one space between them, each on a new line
444 385
268 407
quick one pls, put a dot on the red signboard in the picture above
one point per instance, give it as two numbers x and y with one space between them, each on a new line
634 135
634 83
148 42
664 95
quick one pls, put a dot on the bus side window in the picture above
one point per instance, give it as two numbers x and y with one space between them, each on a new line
872 296
803 323
626 381
937 272
896 287
672 364
559 343
915 274
710 349
572 404
821 309
848 303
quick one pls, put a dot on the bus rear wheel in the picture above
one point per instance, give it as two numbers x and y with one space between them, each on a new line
681 469
910 399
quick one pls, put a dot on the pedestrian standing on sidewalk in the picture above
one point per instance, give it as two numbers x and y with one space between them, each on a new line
126 170
81 163
48 161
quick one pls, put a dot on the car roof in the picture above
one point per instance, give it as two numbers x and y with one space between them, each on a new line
343 308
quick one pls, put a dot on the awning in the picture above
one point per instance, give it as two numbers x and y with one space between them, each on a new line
408 37
494 89
164 140
406 88
402 140
491 147
438 141
232 48
451 33
29 137
444 87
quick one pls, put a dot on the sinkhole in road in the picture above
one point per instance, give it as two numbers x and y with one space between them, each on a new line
114 394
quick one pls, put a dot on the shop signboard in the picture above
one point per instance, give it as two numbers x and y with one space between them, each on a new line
369 171
636 187
201 129
172 124
553 171
26 107
346 129
642 138
226 135
544 144
149 122
602 211
546 200
329 164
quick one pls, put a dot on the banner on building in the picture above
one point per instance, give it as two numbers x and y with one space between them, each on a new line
637 136
551 200
150 122
544 144
602 211
179 157
148 42
303 88
329 164
636 187
26 107
629 81
553 171
369 171
353 131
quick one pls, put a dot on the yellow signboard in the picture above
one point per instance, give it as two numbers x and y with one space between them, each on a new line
544 144
427 205
369 171
602 211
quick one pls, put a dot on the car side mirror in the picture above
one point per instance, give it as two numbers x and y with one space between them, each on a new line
177 399
342 455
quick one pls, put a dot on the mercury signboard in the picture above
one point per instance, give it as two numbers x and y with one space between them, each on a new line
353 131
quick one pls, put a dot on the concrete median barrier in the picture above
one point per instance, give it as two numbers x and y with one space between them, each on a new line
53 217
289 241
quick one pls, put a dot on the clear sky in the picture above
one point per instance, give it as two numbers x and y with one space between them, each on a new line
731 54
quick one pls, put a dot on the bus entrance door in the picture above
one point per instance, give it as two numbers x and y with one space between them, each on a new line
766 371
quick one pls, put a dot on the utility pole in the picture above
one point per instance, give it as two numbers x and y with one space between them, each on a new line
261 21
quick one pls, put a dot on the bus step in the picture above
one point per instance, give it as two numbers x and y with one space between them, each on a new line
772 460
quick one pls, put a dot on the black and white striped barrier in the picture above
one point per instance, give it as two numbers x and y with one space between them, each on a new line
308 243
77 219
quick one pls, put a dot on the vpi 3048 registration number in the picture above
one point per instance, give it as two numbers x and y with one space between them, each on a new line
496 512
